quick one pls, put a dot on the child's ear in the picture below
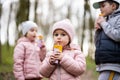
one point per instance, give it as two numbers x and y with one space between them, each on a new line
114 6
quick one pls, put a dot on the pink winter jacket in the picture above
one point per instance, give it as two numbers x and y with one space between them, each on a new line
27 59
72 65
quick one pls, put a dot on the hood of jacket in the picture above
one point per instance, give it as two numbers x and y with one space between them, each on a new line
115 13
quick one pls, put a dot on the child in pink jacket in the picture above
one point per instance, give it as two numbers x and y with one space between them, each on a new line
68 64
27 54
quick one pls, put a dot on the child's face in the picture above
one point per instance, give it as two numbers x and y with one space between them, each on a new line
107 8
61 37
31 34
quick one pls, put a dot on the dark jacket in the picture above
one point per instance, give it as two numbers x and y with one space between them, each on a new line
107 50
107 40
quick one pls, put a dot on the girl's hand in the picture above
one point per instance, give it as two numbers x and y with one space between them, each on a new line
52 60
42 44
55 57
58 56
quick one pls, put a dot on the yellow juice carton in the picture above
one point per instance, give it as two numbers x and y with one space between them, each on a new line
40 38
58 47
101 14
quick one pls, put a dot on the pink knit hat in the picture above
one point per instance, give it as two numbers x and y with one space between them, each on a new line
65 25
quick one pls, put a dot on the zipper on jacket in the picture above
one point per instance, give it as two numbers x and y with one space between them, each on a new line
58 72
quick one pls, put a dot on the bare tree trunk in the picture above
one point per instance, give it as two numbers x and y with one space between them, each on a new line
0 53
0 36
0 10
84 23
36 3
23 12
8 28
91 28
69 10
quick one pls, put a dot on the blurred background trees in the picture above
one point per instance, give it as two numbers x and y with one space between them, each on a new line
45 13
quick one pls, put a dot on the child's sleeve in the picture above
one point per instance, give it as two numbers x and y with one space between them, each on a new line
112 31
18 58
46 68
74 65
42 53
